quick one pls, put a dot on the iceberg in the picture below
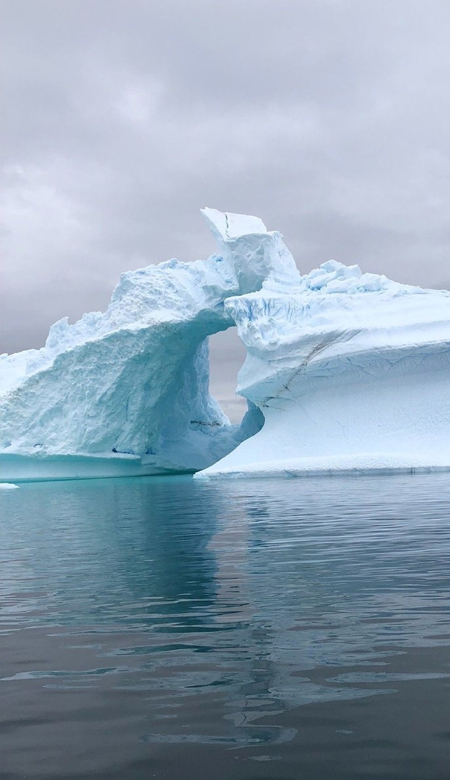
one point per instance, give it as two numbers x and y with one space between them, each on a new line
345 371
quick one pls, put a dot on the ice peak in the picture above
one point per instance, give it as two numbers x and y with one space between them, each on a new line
256 255
226 225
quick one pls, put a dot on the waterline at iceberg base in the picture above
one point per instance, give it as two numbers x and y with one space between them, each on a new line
344 372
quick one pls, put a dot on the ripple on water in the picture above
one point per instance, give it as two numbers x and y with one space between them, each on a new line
209 613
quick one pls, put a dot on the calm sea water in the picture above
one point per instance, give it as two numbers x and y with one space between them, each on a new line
284 629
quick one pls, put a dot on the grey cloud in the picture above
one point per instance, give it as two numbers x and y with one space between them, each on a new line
329 119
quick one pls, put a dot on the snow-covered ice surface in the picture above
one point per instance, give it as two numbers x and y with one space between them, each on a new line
347 371
351 371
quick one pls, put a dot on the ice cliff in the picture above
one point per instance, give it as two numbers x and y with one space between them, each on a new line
347 371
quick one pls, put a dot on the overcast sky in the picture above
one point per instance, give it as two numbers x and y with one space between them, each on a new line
121 118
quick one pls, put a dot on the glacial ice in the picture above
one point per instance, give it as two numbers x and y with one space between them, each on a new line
345 371
351 372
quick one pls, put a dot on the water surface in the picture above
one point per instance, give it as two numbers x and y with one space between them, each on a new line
284 629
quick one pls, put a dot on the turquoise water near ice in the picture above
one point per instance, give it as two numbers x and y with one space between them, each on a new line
173 628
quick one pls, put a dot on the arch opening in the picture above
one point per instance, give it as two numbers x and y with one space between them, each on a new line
226 356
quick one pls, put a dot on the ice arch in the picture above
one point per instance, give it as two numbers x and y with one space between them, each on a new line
126 391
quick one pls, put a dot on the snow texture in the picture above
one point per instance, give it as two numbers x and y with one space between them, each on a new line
351 371
347 371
